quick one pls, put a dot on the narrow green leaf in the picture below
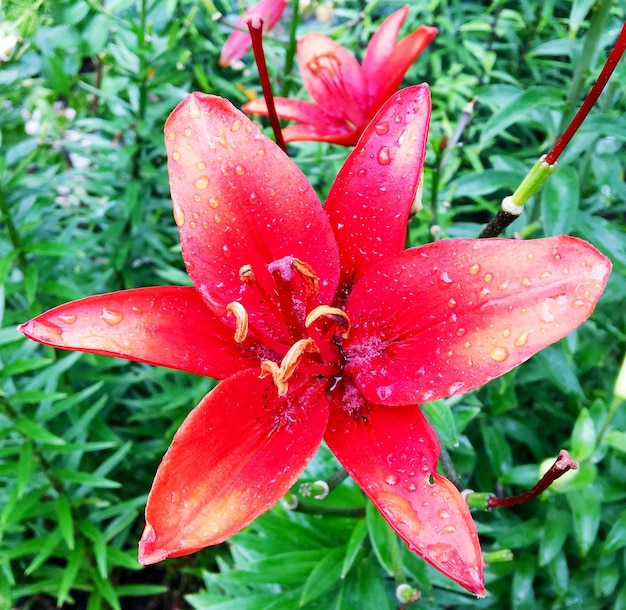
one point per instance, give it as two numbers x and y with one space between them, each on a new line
25 467
379 538
441 418
559 573
75 560
48 545
35 432
66 521
76 476
522 593
354 545
554 532
583 436
324 576
616 440
616 538
560 198
586 511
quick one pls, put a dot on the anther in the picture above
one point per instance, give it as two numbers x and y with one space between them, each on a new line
281 374
241 319
336 315
305 271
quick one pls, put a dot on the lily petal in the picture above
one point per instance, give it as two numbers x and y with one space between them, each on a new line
239 200
385 56
239 42
447 317
369 202
237 453
333 78
392 454
314 120
166 326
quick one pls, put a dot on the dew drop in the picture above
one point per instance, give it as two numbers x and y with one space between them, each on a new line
67 318
526 282
391 479
504 285
260 152
467 345
214 202
545 274
456 387
381 128
187 132
565 270
236 124
171 136
201 183
484 293
411 487
448 529
443 514
179 215
382 189
362 172
452 303
384 158
218 219
488 277
499 353
522 339
176 155
200 164
240 170
474 269
445 280
460 332
575 303
556 255
506 333
112 318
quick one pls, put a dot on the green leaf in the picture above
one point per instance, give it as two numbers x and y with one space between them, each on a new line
76 476
559 201
66 521
378 530
522 594
616 440
441 418
579 11
616 538
559 369
324 576
586 511
25 467
519 109
48 546
555 530
497 448
354 546
35 432
75 561
559 572
584 436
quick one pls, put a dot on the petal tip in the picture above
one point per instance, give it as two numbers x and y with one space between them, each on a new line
149 551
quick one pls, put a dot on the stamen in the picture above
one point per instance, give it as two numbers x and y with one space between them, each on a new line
241 317
281 374
338 316
308 276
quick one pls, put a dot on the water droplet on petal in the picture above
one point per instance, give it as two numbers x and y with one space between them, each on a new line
545 274
391 479
456 387
443 514
445 280
383 392
187 132
362 172
176 155
506 333
565 270
522 339
474 269
112 318
67 318
579 303
452 303
488 277
526 282
171 136
499 353
504 285
384 158
240 170
214 202
200 164
448 529
236 124
201 183
179 214
381 128
460 332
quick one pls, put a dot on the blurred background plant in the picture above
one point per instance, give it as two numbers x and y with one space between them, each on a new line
85 87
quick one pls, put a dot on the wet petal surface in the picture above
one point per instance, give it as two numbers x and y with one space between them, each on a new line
237 453
447 317
166 326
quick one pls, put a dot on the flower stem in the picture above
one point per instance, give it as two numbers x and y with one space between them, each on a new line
513 206
255 25
563 464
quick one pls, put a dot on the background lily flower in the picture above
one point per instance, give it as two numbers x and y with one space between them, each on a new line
239 43
346 94
323 326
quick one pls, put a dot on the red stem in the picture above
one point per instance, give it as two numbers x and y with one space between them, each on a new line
255 25
592 98
562 464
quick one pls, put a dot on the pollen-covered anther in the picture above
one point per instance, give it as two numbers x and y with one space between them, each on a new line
336 315
246 275
241 320
281 374
305 271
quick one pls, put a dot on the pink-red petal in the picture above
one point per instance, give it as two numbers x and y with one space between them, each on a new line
166 326
447 317
239 200
385 56
239 43
391 452
369 202
332 76
237 453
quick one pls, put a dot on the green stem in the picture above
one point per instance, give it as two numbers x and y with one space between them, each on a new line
14 236
291 49
592 40
396 558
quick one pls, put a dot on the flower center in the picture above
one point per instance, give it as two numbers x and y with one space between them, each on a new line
280 316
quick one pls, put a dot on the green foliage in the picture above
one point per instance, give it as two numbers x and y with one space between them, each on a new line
85 209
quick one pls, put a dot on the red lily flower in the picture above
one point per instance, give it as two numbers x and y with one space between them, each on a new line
323 327
347 95
239 42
